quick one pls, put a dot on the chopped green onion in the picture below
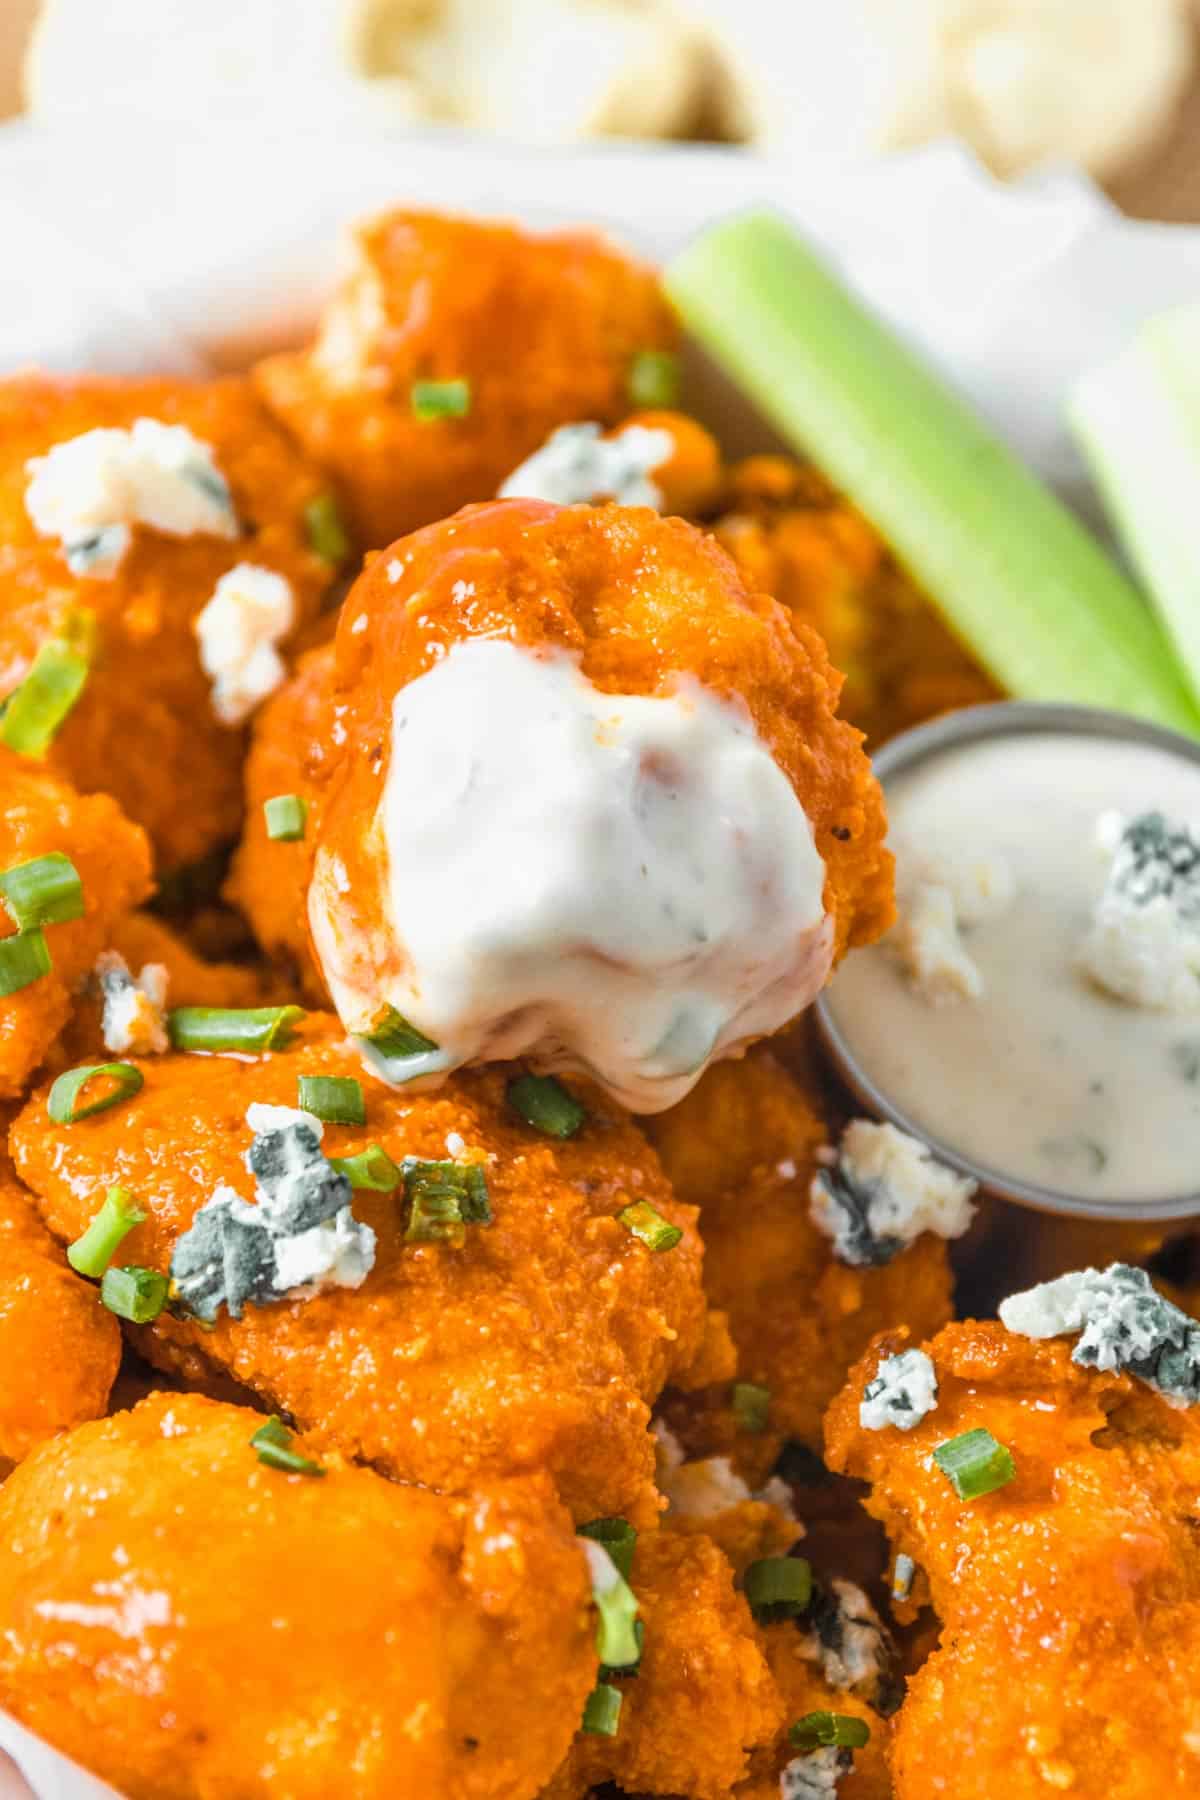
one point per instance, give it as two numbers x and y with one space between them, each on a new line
24 959
445 1197
975 1463
61 1101
1018 577
618 1537
545 1104
816 1730
91 1254
654 379
440 399
35 711
751 1406
286 816
394 1036
778 1587
602 1714
326 533
608 1673
371 1168
46 891
249 1029
273 1442
138 1295
337 1099
616 1640
650 1226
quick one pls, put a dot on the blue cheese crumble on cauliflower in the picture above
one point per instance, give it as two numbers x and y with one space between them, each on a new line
881 1190
1123 1322
299 1237
902 1392
816 1775
578 465
1144 942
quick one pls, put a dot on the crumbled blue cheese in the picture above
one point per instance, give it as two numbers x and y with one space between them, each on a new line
708 1485
134 1018
299 1237
845 1635
815 1776
882 1190
578 465
90 490
251 611
902 1576
939 896
902 1392
1144 941
1123 1323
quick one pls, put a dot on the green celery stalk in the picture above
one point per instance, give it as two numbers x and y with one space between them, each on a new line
1016 575
1137 422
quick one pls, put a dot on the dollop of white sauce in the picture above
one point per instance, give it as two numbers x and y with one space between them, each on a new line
607 883
578 465
902 1392
89 490
251 611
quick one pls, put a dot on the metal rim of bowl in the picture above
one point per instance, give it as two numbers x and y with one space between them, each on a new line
1005 718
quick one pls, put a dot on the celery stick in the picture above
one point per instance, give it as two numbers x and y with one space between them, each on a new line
1137 421
1016 575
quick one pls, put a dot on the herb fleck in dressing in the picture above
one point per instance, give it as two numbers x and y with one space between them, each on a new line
1045 1075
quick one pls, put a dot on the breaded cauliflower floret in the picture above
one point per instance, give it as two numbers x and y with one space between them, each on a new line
1069 1595
188 1621
538 1343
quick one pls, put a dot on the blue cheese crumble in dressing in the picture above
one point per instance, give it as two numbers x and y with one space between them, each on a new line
881 1190
620 885
902 1392
578 465
1122 1322
1144 941
300 1237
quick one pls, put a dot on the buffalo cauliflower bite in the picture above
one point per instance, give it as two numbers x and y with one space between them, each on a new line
1069 1595
40 817
451 351
374 1635
59 1347
128 510
537 1342
743 1147
594 917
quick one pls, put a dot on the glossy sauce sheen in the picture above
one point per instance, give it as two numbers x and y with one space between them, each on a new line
620 884
1045 1077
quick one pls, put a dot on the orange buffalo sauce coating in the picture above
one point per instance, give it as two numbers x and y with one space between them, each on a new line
40 814
59 1347
543 328
193 1625
1069 1599
742 1147
538 1345
143 729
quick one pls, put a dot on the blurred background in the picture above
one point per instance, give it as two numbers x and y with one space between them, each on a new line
1112 86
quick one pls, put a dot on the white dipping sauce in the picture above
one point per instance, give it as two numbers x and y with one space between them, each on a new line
1043 1077
614 884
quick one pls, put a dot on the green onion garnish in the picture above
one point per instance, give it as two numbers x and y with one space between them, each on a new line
751 1406
273 1442
286 816
249 1029
975 1463
602 1714
138 1295
608 1673
326 533
616 1640
46 891
394 1036
445 1197
337 1099
618 1537
371 1168
61 1102
817 1730
1019 579
653 379
91 1254
35 711
650 1226
778 1587
545 1104
440 399
24 959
